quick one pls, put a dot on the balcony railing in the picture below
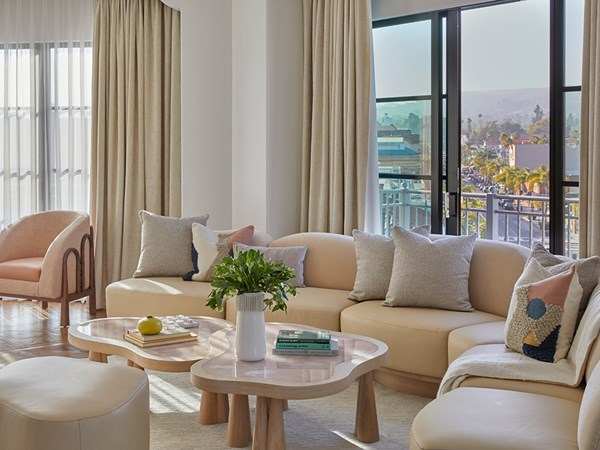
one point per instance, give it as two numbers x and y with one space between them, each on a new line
520 219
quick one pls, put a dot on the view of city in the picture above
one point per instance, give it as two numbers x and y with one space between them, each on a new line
504 135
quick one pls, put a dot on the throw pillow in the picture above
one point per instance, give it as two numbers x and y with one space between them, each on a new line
543 313
293 257
166 244
374 261
588 270
210 247
430 274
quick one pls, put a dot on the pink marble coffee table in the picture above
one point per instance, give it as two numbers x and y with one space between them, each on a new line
279 378
102 337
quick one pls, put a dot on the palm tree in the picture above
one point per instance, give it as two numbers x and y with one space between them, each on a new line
537 180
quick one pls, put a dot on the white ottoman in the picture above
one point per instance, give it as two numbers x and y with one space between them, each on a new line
73 404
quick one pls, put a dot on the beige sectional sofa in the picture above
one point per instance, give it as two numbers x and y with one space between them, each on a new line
421 341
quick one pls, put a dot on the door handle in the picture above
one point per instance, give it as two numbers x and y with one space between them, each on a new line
450 203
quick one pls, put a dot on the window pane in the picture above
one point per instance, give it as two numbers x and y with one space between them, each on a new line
573 41
402 56
404 203
404 137
571 201
572 135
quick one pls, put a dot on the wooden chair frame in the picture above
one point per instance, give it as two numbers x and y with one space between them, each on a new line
80 289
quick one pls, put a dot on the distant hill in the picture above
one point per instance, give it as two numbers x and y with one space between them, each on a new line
502 104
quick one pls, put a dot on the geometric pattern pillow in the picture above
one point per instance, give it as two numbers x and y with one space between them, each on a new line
374 263
543 314
588 270
209 248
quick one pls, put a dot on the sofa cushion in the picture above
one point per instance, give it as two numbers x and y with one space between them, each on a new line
495 268
293 257
374 263
417 337
24 269
430 274
316 307
589 415
462 339
166 245
330 259
494 419
163 296
543 313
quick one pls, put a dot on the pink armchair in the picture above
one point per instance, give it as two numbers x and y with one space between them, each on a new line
49 256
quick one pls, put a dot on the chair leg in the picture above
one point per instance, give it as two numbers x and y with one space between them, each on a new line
92 303
44 304
64 312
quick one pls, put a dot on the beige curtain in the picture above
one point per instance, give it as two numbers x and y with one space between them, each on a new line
136 128
337 77
589 236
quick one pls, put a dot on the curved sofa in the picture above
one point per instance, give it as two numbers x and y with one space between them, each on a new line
421 341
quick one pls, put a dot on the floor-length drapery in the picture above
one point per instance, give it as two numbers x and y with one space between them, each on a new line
337 91
136 131
589 236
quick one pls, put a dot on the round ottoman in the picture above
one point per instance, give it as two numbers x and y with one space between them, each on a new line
73 404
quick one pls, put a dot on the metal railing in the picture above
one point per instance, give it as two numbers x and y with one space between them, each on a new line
520 219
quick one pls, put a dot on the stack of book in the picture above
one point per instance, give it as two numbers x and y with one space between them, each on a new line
305 342
174 335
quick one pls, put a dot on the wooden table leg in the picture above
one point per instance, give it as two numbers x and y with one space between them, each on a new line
285 405
275 428
214 408
97 357
259 441
269 431
366 426
130 363
239 433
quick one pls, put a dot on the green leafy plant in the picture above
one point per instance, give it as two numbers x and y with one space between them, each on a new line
250 272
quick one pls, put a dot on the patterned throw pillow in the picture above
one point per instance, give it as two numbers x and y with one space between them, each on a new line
166 243
543 313
588 270
210 247
374 262
293 257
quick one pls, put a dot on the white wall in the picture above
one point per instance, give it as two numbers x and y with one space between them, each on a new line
206 131
242 112
384 9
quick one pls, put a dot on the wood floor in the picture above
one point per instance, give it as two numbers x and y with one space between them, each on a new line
27 330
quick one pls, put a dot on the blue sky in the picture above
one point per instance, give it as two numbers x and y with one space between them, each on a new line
503 47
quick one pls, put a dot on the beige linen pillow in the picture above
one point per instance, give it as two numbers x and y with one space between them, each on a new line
374 261
542 316
588 270
166 245
430 274
293 257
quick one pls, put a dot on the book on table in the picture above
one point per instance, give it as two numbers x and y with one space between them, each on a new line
333 350
176 340
165 334
304 336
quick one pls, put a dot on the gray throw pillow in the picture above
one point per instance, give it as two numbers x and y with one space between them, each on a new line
374 261
588 270
166 245
293 257
431 274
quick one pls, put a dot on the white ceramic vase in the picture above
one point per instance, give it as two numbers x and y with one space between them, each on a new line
250 336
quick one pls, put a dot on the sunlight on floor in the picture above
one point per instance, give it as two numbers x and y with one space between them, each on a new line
166 397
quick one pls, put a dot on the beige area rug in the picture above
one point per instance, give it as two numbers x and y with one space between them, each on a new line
324 424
